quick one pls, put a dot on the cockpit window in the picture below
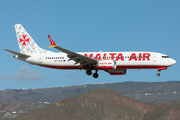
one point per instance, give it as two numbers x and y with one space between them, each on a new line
165 56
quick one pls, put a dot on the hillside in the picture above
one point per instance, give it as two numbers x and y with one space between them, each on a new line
156 92
103 104
11 110
168 112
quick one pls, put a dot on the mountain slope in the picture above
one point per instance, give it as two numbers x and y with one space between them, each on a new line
100 104
169 112
162 92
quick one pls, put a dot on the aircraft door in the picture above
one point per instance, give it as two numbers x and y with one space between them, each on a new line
154 57
40 59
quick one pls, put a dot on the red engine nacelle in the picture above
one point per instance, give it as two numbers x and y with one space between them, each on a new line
106 65
117 72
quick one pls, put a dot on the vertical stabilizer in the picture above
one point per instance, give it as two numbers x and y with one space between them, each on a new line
26 44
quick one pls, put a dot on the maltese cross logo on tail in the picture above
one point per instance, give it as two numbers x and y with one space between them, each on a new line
24 40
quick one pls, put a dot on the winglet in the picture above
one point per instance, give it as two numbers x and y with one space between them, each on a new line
53 44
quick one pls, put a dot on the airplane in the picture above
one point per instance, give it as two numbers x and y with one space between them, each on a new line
115 63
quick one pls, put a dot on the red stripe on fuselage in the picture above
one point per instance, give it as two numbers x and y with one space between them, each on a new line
118 67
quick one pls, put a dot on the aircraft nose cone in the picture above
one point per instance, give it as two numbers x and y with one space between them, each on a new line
172 62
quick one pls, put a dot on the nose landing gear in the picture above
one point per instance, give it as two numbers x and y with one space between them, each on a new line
158 74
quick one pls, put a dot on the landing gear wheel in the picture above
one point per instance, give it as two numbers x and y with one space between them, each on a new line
158 74
88 72
95 75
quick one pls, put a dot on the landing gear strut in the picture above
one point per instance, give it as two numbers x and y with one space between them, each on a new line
158 74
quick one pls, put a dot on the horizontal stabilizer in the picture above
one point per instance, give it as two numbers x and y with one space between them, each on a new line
19 54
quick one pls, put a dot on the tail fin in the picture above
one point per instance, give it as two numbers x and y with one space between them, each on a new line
26 44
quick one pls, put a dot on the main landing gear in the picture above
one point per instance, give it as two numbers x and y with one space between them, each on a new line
158 74
89 72
95 75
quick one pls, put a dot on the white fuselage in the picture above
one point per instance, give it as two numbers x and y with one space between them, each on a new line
124 60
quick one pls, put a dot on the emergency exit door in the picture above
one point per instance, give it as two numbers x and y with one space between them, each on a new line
154 57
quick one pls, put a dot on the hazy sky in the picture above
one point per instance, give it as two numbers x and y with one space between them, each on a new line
91 26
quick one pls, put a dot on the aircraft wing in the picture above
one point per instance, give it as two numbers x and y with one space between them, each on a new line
78 58
19 54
